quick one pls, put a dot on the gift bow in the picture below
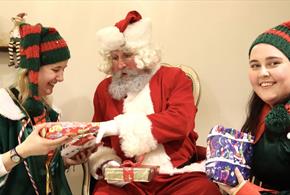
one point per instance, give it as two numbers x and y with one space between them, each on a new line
128 168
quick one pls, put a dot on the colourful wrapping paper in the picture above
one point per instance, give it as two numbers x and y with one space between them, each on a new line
70 129
82 136
228 148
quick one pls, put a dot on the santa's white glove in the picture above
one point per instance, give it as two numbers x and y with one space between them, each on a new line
113 163
107 128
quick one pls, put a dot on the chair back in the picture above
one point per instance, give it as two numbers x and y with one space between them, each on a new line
192 74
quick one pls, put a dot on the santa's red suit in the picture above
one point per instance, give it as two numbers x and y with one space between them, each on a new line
157 122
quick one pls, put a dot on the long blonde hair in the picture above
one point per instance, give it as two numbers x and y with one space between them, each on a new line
22 85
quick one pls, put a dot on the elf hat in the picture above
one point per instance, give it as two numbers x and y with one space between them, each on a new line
39 46
278 37
133 32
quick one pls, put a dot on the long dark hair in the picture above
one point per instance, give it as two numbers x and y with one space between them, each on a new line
254 109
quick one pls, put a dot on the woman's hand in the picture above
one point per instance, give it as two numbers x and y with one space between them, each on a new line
233 190
80 157
35 145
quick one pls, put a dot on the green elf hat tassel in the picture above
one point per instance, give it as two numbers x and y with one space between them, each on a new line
39 46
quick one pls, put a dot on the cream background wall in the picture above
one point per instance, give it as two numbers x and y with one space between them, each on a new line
211 36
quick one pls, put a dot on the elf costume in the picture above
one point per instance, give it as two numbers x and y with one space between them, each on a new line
271 157
40 46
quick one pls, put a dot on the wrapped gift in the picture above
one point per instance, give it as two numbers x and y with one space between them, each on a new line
83 136
78 144
130 172
71 129
228 148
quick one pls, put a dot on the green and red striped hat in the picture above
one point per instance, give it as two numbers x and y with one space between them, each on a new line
39 46
278 36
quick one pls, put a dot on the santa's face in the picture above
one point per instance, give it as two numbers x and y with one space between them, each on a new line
122 60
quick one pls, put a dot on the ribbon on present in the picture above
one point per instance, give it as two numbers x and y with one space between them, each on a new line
128 168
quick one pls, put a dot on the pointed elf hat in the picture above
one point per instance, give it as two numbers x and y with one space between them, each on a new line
279 37
132 32
40 46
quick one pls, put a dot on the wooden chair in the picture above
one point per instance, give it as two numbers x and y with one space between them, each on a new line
201 151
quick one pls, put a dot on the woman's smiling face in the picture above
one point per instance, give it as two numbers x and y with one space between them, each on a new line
269 73
49 75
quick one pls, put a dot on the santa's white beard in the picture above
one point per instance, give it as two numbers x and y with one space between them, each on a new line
134 81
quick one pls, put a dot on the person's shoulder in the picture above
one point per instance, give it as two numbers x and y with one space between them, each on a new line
105 82
170 71
8 108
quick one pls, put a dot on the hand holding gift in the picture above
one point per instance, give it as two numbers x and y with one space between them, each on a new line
227 149
111 164
83 136
128 171
233 190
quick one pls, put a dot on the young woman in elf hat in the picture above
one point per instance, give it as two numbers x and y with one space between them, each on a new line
25 167
269 115
144 114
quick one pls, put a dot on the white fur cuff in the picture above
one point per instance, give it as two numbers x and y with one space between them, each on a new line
135 134
102 155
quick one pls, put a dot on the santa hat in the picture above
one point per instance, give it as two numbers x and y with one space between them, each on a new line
133 32
40 46
278 36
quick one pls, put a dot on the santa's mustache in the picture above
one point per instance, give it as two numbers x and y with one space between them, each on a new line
125 71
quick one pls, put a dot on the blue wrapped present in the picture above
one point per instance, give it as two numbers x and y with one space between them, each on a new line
228 148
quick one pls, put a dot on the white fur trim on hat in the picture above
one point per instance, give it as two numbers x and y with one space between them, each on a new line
136 35
8 108
110 38
99 157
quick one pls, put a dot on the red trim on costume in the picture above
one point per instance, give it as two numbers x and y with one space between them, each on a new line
28 29
33 77
252 189
40 119
37 98
261 126
30 52
52 45
279 33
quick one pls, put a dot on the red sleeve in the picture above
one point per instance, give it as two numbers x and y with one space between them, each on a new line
175 121
101 96
96 117
252 189
98 109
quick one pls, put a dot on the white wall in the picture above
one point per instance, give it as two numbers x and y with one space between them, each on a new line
211 36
